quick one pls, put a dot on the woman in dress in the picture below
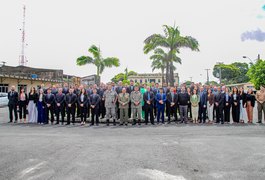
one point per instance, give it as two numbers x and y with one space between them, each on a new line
250 103
235 98
41 108
242 113
32 109
22 103
194 100
210 105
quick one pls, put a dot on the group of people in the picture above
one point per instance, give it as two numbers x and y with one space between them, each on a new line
140 103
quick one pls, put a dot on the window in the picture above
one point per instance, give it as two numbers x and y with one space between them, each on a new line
145 80
19 86
158 80
135 81
4 88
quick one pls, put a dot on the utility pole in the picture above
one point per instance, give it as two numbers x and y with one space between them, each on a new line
22 57
207 75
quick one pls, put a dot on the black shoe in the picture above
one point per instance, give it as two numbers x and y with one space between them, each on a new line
259 122
10 121
96 124
15 121
120 124
73 124
67 124
126 124
91 125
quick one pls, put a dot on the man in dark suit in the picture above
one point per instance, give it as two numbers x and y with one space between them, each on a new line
94 104
155 91
149 98
219 104
102 109
172 100
202 105
130 89
59 105
70 100
49 100
12 104
118 90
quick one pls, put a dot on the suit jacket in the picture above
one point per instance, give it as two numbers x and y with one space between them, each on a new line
203 98
169 98
130 89
152 98
236 100
26 98
94 100
71 99
49 100
85 101
12 98
162 97
59 98
219 98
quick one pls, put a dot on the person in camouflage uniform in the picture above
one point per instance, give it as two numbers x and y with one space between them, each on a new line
124 99
136 98
110 97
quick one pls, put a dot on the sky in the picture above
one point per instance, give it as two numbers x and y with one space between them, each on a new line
58 32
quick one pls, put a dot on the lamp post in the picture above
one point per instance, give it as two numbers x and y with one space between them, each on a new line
220 71
252 61
207 75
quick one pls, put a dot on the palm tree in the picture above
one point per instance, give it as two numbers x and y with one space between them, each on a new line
97 60
172 41
159 59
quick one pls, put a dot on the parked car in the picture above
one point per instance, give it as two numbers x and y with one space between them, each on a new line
3 99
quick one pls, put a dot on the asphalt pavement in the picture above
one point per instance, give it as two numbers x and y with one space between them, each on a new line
170 152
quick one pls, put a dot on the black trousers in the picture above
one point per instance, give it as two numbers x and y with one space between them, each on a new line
130 110
236 113
155 109
219 114
173 111
22 109
189 110
71 112
117 110
149 111
102 109
83 113
202 114
227 113
94 112
51 111
12 108
60 110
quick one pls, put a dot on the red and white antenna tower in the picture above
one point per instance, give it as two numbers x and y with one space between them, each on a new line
22 57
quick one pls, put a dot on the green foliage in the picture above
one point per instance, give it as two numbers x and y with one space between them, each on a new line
232 73
122 77
256 73
172 41
97 60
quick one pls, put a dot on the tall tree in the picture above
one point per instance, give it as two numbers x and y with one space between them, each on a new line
256 74
172 41
97 60
159 60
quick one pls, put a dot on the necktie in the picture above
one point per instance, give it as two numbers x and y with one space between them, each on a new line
148 96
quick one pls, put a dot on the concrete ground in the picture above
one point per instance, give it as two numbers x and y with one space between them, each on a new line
174 152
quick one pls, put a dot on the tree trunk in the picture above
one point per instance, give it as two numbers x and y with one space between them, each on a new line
171 81
163 75
98 77
167 73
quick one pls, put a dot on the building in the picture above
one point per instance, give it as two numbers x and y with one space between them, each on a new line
245 86
72 80
90 80
150 77
23 76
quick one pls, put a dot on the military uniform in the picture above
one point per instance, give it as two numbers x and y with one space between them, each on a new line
136 96
124 98
110 98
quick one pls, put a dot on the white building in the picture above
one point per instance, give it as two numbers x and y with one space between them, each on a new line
151 77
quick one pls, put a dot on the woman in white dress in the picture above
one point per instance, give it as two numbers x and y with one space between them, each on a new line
243 112
32 108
